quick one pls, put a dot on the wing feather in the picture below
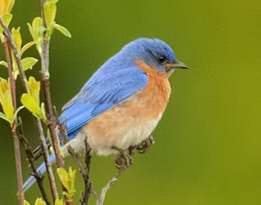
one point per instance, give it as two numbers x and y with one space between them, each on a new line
99 94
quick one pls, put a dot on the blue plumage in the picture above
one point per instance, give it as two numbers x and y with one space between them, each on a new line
114 82
99 95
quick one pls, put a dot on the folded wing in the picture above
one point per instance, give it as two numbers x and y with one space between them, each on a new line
100 93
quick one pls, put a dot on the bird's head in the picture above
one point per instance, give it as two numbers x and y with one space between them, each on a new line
155 53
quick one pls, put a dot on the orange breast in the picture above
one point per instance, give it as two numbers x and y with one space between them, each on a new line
140 112
156 94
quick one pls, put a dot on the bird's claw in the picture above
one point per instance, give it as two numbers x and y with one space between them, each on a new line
144 145
124 159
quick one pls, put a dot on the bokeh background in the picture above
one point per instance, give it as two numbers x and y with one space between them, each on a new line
208 145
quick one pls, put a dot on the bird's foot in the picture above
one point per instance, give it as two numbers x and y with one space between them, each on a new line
124 159
145 145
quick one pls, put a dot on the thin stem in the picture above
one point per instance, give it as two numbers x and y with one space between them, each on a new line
23 77
86 175
47 93
84 170
49 169
45 76
29 153
18 165
12 46
101 197
51 120
10 73
105 189
17 150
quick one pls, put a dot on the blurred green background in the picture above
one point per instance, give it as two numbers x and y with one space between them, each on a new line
208 145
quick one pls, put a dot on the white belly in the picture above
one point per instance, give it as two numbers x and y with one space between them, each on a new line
127 137
136 134
123 137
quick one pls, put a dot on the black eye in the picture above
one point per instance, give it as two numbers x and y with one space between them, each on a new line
162 59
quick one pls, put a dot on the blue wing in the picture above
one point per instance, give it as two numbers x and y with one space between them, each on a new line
100 93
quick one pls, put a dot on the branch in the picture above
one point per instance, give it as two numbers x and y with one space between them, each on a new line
18 164
44 55
86 175
105 189
17 150
84 170
23 77
29 153
49 169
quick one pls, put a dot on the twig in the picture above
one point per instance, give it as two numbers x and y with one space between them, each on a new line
38 122
50 173
45 76
101 197
84 170
86 175
45 82
19 174
51 119
47 93
29 153
141 149
17 150
105 189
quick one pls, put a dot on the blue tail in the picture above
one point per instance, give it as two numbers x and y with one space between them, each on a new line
41 170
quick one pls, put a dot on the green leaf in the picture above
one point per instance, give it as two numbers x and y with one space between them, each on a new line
4 117
27 46
50 12
26 202
72 175
63 30
6 6
6 99
29 62
59 202
68 181
37 30
63 176
16 34
31 100
30 104
3 63
15 67
17 111
34 87
11 120
39 201
7 18
10 5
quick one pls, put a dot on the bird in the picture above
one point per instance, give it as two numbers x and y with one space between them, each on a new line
121 104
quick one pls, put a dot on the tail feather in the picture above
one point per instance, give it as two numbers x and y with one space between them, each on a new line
41 170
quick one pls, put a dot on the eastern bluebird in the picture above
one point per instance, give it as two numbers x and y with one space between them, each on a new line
123 101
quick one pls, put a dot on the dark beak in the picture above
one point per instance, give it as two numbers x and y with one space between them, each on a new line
176 65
